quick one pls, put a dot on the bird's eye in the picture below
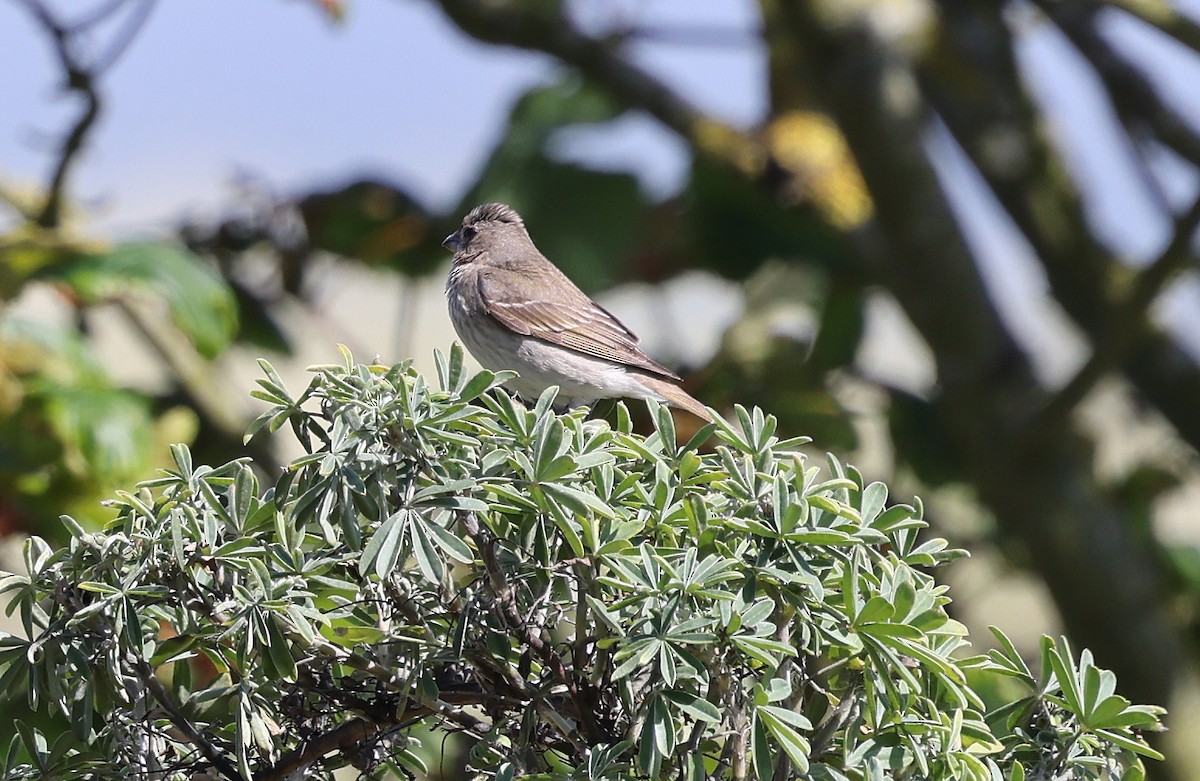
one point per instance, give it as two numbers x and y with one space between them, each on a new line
468 233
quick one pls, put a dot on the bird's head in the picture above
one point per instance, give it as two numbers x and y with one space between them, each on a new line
482 228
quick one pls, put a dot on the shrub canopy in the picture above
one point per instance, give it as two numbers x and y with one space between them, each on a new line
579 600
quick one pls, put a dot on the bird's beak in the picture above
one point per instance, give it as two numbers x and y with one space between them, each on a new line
453 242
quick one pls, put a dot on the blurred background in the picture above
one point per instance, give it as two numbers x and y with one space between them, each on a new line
953 241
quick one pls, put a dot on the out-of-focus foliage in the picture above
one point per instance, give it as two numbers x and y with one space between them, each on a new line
579 600
198 302
70 436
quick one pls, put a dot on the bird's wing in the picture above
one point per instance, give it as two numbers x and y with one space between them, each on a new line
577 323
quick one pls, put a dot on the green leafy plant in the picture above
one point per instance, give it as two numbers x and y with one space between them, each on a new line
579 600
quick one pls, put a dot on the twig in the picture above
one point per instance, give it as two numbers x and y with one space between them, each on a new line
97 15
121 41
582 695
345 738
182 722
78 79
696 35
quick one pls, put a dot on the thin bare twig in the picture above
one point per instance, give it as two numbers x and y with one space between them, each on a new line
124 37
695 35
95 16
580 691
78 78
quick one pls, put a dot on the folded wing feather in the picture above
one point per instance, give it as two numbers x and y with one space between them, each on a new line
578 324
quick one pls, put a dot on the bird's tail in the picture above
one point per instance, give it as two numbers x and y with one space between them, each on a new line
678 397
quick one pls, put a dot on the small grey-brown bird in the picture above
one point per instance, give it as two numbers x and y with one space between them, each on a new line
515 310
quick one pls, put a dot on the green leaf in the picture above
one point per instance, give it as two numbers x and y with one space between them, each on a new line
784 726
279 651
450 543
885 630
482 383
696 707
577 500
876 609
874 496
426 553
763 650
1064 672
173 649
1106 712
349 634
383 550
650 754
662 727
762 756
1130 743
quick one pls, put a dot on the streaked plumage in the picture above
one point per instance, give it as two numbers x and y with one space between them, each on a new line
514 309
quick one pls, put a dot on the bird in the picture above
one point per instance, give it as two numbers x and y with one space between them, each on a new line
515 310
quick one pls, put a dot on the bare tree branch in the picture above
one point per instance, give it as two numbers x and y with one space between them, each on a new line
1161 15
98 15
1130 320
1134 96
543 28
124 37
80 77
77 78
695 35
974 82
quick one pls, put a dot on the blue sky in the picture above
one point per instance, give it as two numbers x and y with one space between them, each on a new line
269 87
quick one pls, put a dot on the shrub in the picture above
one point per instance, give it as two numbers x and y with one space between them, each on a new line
577 599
